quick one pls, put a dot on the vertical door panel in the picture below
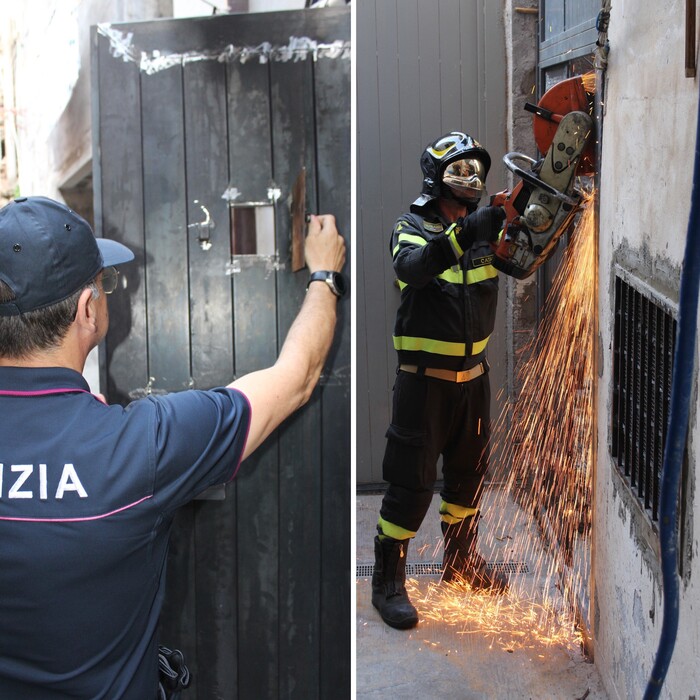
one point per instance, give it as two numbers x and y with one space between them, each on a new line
211 328
255 332
249 131
208 227
333 149
293 150
119 214
164 199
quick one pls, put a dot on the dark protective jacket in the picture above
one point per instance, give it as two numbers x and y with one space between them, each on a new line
448 295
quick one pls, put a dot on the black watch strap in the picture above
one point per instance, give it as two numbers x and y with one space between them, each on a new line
333 279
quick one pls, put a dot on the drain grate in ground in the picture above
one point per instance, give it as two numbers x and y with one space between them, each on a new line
434 568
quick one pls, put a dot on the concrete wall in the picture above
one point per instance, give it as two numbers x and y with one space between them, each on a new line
521 59
646 173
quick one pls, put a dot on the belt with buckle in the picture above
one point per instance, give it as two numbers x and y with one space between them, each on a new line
447 374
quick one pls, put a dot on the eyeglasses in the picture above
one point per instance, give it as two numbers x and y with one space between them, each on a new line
110 277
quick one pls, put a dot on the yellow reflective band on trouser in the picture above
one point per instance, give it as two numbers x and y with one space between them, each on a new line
396 532
451 513
479 274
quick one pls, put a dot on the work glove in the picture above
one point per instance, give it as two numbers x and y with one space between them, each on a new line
484 224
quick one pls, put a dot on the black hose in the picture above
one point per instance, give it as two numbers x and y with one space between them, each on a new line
681 387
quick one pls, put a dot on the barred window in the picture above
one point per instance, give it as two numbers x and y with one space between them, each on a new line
644 343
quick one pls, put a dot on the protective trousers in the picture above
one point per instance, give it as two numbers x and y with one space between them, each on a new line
432 417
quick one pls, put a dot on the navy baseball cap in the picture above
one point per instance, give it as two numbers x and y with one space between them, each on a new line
48 252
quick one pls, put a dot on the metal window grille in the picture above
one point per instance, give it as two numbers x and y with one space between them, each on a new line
644 342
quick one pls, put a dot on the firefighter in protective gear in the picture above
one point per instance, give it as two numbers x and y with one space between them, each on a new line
442 259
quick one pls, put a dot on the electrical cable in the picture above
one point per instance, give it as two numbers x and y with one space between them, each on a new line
681 388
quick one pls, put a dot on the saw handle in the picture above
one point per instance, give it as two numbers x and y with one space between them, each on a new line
542 112
530 177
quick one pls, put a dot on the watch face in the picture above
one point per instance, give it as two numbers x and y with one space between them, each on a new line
339 283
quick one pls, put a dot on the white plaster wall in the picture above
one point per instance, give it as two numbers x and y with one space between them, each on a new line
51 70
646 173
46 68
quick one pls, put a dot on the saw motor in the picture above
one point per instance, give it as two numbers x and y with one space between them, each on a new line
541 207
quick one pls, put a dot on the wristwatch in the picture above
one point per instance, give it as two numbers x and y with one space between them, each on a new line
333 279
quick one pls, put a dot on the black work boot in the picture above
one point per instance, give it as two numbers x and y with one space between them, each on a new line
462 560
388 584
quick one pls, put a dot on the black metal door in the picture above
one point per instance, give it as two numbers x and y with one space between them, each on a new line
201 128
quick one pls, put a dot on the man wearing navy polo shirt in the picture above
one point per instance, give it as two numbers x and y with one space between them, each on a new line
87 490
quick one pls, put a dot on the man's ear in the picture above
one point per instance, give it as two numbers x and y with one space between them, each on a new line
87 309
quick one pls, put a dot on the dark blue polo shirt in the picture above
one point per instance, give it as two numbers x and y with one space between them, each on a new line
87 497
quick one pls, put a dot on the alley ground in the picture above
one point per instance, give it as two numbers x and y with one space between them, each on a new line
451 657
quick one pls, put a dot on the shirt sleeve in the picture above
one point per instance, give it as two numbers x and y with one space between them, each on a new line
200 438
417 256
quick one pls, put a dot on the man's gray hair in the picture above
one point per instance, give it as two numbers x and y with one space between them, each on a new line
42 329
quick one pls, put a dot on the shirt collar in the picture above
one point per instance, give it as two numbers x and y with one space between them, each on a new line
41 378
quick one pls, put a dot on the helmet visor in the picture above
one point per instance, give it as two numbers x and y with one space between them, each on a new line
465 178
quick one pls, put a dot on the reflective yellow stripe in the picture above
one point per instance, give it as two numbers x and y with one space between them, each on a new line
450 275
453 276
480 274
452 233
437 347
407 238
440 154
480 346
451 513
412 238
394 531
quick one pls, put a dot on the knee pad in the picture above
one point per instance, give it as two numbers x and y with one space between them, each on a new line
451 513
395 532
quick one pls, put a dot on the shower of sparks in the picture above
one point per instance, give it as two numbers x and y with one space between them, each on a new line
548 446
513 621
545 443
